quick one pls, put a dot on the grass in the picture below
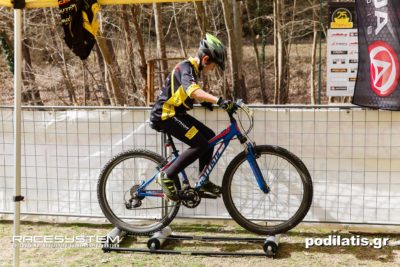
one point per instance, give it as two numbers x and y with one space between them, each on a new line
292 251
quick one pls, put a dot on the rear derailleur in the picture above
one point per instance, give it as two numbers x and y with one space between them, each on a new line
135 201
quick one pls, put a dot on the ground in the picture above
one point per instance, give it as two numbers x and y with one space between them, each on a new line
292 251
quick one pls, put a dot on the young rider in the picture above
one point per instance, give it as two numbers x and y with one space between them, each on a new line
169 112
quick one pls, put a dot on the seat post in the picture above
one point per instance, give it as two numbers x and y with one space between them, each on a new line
170 142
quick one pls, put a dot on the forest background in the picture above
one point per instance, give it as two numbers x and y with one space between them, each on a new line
276 52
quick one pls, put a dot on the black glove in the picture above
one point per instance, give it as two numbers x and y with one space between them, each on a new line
207 105
227 105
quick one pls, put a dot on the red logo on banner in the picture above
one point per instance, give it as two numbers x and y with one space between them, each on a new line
384 68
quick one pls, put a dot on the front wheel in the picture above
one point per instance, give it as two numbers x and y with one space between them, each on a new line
283 207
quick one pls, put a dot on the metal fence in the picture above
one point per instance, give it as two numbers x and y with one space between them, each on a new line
353 156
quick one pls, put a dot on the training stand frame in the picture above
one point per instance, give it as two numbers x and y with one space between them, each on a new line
157 240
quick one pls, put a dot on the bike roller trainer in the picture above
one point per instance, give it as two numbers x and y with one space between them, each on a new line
156 242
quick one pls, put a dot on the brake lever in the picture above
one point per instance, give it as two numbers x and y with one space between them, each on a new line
243 106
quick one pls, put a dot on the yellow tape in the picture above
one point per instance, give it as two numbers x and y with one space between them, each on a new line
93 26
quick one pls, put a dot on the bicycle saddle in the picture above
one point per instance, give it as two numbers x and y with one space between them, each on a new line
154 127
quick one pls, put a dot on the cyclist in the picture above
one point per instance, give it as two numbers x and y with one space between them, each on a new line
169 113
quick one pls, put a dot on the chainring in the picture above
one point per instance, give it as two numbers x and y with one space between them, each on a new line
190 198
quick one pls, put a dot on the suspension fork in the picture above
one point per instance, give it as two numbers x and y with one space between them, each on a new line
251 156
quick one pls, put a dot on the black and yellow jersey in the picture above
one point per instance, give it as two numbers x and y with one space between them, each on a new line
175 97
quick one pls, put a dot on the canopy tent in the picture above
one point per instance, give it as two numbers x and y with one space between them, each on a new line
18 5
54 3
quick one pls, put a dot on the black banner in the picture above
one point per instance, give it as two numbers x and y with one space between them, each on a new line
78 18
378 74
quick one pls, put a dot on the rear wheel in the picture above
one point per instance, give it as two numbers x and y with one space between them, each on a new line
117 184
268 213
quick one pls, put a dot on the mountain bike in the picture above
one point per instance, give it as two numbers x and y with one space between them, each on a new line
266 189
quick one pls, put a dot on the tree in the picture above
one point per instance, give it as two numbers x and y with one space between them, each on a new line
161 50
201 18
105 97
232 16
129 38
259 59
58 56
30 94
7 50
313 54
129 52
178 31
113 72
281 56
140 46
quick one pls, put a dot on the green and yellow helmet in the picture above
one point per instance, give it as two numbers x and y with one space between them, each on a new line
214 48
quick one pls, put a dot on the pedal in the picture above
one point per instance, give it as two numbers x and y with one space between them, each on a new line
208 195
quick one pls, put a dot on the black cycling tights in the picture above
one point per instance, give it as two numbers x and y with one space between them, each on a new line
193 133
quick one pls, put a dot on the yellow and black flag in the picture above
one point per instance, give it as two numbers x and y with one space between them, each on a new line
79 20
378 75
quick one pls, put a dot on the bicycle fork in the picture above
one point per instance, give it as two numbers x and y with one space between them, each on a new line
251 157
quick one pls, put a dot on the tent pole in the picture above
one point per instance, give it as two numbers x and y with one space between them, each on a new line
17 126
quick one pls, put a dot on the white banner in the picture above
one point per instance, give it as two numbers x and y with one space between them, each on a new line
342 61
353 156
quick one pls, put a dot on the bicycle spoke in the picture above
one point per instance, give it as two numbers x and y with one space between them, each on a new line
119 184
258 211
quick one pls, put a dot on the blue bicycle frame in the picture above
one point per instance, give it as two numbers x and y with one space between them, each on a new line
223 139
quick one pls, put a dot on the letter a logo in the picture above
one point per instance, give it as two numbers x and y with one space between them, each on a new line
384 68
